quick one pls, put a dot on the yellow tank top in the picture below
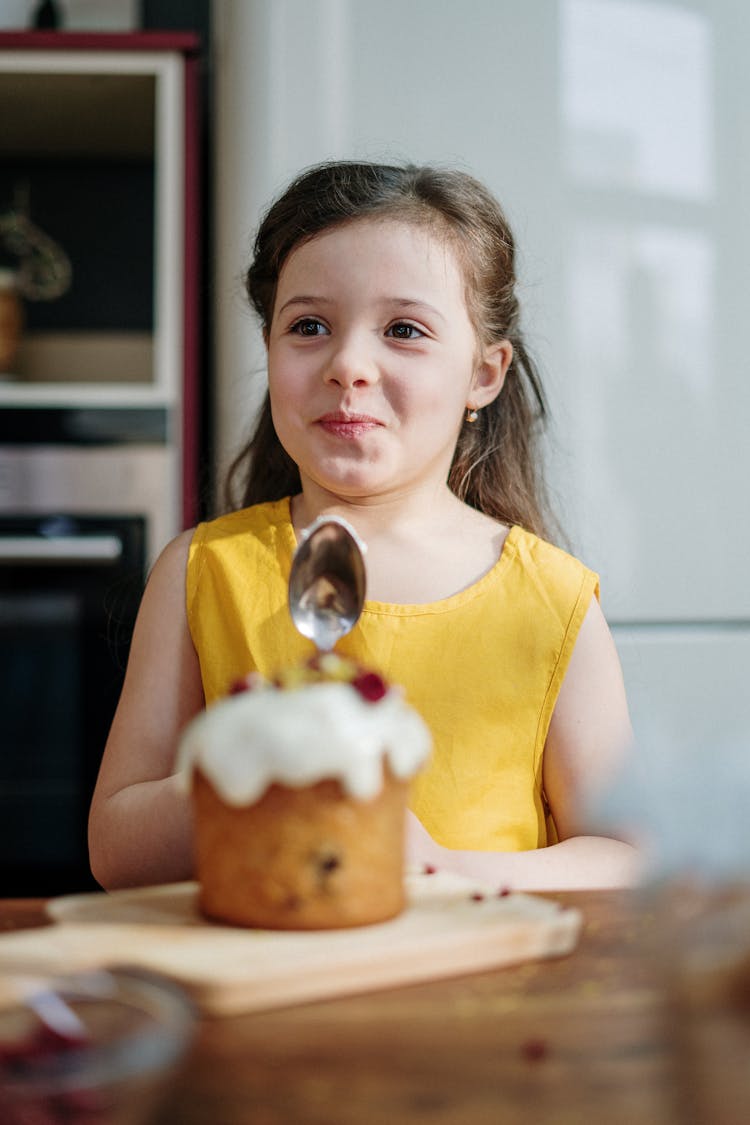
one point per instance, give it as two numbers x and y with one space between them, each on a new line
483 667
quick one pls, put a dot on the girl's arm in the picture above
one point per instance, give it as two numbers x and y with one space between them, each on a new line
140 827
588 735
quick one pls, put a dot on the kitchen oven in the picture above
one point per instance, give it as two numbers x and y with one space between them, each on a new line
70 586
87 499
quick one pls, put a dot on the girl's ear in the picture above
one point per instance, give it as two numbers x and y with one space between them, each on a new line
490 373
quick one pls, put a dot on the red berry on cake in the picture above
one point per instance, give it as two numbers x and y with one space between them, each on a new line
245 683
370 686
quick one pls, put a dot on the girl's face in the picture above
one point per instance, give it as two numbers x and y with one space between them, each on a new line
372 359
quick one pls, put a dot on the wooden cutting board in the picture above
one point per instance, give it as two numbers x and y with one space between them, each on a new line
450 927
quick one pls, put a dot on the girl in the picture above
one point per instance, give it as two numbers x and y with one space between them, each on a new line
401 396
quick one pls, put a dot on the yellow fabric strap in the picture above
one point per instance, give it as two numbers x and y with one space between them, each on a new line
484 667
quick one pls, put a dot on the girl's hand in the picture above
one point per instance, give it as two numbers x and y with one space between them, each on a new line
578 863
140 826
421 849
590 733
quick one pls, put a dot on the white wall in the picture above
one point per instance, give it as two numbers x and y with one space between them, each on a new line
616 134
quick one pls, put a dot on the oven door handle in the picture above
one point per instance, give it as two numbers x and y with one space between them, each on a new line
64 549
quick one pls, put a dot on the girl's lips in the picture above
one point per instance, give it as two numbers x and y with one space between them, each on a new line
348 425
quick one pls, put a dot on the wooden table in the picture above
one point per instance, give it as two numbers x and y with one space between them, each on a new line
594 1037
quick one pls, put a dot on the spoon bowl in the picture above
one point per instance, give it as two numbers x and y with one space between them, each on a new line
327 581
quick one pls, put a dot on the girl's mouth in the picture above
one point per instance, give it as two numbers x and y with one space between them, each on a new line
348 425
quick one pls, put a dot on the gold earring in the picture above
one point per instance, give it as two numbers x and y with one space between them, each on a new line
471 414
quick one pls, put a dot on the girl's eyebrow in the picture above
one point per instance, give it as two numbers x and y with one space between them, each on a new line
305 299
406 303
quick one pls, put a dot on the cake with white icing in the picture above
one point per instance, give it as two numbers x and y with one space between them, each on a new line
300 789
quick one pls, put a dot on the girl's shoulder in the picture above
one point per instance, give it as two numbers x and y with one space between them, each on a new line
530 555
255 520
173 556
533 547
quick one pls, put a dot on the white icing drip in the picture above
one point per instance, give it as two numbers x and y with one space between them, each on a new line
300 737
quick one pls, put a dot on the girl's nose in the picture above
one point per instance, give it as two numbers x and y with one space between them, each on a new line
351 366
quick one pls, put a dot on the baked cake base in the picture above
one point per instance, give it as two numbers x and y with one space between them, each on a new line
301 859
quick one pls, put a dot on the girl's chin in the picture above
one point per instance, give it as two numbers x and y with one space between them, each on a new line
352 490
350 484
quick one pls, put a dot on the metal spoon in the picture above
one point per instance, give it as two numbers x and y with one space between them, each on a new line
327 581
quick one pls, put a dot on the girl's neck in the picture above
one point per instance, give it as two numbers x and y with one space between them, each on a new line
394 515
419 550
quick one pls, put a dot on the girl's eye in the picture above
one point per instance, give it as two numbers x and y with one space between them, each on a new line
308 326
404 331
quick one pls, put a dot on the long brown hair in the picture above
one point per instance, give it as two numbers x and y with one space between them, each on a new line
496 467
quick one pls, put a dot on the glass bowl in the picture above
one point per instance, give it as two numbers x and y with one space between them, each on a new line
91 1049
